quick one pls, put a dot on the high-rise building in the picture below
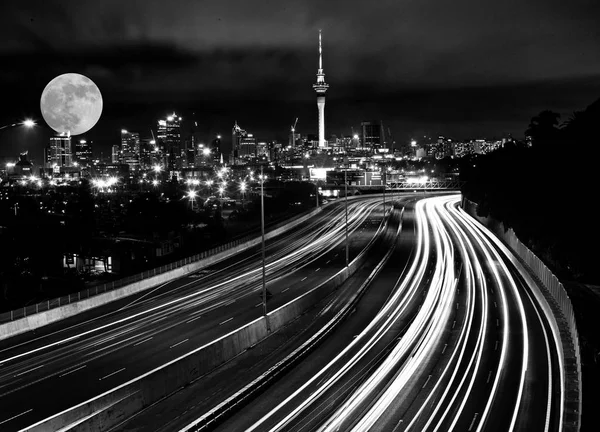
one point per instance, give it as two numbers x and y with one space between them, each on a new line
115 154
83 152
149 154
169 141
373 137
189 154
237 134
130 149
262 149
216 149
247 147
60 151
320 88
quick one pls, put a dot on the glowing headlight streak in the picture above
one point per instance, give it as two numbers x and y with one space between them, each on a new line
325 235
461 344
364 341
428 326
482 240
491 238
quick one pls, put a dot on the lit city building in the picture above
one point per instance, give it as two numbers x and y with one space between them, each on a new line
320 88
60 151
373 137
130 149
83 153
169 141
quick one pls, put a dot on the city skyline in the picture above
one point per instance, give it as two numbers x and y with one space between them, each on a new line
259 71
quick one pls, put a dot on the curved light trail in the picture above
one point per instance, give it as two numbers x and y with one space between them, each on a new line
475 356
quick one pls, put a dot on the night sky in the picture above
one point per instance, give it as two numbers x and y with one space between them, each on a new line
461 68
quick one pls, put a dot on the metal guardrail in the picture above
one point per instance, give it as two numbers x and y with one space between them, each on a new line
109 286
563 302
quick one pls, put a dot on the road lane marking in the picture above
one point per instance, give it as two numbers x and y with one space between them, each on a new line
489 376
318 269
426 381
496 346
230 303
304 279
178 343
495 305
453 324
141 342
497 322
473 422
194 319
285 289
120 370
71 371
227 320
444 350
257 304
328 262
27 371
14 417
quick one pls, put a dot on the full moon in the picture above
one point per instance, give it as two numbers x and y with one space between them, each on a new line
71 104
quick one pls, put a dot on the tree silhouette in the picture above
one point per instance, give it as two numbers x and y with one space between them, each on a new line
543 128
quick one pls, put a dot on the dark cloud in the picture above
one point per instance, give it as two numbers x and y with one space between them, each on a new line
450 67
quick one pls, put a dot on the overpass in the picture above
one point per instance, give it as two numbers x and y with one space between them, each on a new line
396 186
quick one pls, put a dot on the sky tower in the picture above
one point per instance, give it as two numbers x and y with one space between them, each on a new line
321 87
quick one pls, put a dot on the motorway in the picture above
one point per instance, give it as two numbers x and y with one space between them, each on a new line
458 345
447 336
64 364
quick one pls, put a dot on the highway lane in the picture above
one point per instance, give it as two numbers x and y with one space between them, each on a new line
122 345
476 355
223 383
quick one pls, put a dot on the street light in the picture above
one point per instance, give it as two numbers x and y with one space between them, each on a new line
27 123
243 189
262 229
346 203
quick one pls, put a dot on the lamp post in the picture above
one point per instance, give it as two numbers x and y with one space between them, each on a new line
27 123
383 178
262 229
346 202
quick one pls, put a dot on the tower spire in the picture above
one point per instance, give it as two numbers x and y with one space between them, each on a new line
320 54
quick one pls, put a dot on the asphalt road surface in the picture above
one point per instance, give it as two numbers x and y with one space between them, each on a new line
67 363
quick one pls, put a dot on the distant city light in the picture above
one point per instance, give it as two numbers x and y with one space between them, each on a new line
123 131
10 164
206 151
243 187
28 123
155 182
191 194
413 143
157 168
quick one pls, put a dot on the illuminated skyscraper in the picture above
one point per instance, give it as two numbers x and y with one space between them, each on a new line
83 152
373 136
320 88
169 141
130 149
60 151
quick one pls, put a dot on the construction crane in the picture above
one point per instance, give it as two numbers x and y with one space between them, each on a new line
293 129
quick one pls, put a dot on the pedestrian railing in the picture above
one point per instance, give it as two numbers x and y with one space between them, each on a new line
566 322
